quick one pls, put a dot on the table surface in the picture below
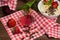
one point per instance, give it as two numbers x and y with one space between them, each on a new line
4 35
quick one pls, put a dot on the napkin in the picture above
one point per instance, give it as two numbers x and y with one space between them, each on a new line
35 32
40 26
11 3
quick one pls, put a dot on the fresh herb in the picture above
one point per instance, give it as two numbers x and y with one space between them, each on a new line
49 2
34 6
26 6
31 4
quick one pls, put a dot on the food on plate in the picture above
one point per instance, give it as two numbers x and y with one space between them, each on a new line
44 8
48 2
26 20
15 30
50 7
55 4
11 23
45 0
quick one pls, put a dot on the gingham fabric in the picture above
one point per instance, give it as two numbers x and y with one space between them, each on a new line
50 27
35 32
11 3
40 26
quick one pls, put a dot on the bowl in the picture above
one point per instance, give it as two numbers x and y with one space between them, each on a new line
47 14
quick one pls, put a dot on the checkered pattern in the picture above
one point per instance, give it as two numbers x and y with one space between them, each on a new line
40 26
11 3
50 27
35 32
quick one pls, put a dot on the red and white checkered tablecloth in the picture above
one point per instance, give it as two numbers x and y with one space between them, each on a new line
35 26
11 3
50 27
40 26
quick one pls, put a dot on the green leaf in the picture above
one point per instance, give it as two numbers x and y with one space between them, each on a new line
25 7
49 2
34 6
28 5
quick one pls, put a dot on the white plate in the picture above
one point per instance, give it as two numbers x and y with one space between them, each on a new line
46 14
